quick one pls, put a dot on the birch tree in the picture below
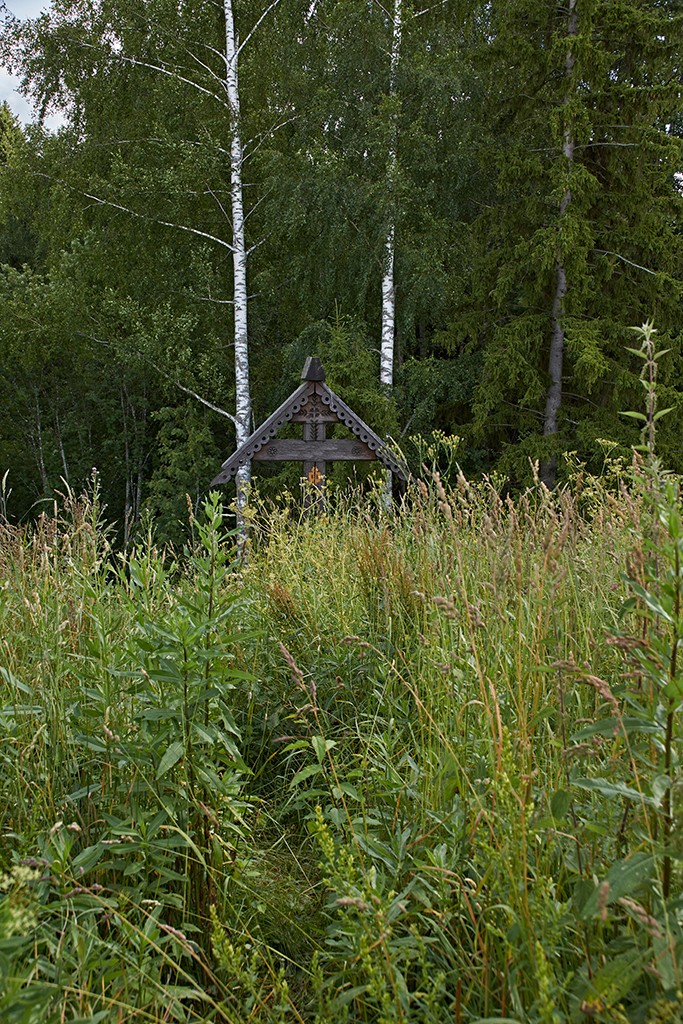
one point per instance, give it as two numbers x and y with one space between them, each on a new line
388 319
73 56
386 369
239 251
395 104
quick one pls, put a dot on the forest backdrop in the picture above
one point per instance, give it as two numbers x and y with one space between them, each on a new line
460 206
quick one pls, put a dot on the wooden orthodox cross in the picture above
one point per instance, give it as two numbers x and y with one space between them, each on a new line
315 406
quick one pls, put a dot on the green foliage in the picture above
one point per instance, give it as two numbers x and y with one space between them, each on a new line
398 765
187 456
129 734
410 767
604 91
115 300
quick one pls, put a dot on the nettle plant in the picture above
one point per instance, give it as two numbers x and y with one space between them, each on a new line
640 774
656 580
141 786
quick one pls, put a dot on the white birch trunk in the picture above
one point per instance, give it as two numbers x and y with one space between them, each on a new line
386 357
386 368
242 390
557 337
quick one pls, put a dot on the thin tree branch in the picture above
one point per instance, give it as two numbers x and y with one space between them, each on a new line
587 145
134 213
157 220
383 9
263 16
426 10
159 142
257 245
607 252
171 74
248 151
177 384
160 68
212 49
204 401
209 71
258 203
219 204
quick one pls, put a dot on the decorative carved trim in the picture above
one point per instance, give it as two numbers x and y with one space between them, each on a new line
311 394
268 429
349 419
366 434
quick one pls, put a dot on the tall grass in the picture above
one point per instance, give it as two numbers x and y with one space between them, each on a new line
411 766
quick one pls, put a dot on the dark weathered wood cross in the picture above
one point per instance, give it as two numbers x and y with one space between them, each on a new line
315 406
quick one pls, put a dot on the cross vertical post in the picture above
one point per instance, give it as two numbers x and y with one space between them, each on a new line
314 471
313 405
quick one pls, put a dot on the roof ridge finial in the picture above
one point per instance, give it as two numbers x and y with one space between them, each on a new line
313 369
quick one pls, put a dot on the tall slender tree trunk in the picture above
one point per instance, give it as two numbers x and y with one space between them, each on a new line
386 361
60 445
557 337
386 369
239 255
38 446
127 510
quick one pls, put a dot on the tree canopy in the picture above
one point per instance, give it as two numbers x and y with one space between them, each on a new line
527 158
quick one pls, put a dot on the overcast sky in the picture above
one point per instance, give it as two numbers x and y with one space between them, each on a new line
8 84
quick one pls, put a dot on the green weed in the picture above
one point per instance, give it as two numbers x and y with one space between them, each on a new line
418 766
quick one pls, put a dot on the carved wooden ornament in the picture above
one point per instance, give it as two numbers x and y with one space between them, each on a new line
314 405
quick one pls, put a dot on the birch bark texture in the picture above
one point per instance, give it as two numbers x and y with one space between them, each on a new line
548 467
239 251
388 333
386 369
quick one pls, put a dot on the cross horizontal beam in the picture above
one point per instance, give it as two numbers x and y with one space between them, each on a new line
334 450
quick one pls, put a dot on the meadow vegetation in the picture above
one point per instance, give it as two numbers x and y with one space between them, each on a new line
410 766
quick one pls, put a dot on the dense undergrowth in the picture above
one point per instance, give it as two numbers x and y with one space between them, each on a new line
421 766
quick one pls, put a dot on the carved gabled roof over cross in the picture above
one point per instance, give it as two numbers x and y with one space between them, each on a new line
315 405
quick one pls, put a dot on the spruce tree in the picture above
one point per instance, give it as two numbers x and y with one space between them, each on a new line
581 240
